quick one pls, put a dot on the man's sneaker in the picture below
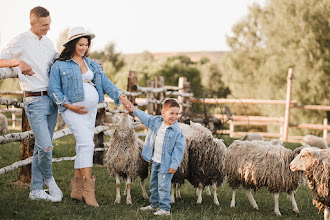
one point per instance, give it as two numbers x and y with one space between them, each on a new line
54 190
149 208
162 212
42 195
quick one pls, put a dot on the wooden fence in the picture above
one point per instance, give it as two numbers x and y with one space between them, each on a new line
26 136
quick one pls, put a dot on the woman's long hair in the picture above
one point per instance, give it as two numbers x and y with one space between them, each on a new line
70 48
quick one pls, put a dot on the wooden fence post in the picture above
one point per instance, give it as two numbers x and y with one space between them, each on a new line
132 86
159 82
25 151
185 88
150 96
99 138
287 106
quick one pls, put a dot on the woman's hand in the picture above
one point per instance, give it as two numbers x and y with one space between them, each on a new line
79 109
126 103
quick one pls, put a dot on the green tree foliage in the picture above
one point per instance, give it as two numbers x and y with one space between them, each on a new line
110 55
283 34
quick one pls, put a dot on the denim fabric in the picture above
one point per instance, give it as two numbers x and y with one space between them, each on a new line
160 187
174 141
66 84
42 115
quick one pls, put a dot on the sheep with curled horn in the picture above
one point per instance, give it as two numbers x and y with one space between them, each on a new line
124 157
315 163
257 164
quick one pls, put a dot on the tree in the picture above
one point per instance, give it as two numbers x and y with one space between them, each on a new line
283 34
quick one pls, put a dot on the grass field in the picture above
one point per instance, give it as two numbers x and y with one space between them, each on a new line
14 202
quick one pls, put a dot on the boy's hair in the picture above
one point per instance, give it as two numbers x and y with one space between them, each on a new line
169 103
39 12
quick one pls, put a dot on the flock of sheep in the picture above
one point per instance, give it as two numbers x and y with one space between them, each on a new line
251 163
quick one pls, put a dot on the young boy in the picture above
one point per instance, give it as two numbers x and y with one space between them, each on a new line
164 145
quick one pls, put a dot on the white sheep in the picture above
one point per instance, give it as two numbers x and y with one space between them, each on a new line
3 124
256 164
314 141
315 163
252 136
124 157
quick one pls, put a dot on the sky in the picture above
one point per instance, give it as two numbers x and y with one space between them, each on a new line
134 26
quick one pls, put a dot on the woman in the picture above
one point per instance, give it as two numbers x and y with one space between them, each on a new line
77 84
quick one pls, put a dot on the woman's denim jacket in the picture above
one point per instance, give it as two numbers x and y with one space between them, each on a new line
66 83
174 141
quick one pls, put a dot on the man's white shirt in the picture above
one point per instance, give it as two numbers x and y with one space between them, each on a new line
39 54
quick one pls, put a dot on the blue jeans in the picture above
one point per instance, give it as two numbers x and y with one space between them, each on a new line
160 188
42 115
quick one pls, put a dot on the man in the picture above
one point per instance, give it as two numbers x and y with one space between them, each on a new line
34 53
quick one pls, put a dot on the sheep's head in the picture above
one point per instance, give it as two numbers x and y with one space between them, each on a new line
125 125
304 159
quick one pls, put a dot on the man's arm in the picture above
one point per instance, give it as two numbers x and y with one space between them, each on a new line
24 67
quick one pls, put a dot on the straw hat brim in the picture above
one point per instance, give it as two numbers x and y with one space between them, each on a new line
78 36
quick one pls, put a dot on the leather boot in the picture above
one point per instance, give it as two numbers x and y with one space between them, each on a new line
89 191
77 188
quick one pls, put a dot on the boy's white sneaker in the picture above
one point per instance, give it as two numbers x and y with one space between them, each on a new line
149 208
42 195
54 190
162 212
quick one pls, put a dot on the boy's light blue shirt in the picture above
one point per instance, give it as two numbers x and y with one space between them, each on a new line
66 84
174 141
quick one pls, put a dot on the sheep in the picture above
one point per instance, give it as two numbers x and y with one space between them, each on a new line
256 164
315 163
314 141
252 136
3 124
206 161
124 157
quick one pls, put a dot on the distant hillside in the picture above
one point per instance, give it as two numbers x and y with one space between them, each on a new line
194 56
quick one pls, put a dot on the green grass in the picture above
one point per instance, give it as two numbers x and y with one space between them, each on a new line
15 204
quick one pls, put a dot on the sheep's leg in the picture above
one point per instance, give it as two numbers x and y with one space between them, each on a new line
215 196
327 213
117 188
178 194
199 193
294 204
208 191
232 203
143 187
125 191
251 199
276 208
172 192
128 191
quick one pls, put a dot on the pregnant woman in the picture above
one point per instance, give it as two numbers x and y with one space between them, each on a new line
77 84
